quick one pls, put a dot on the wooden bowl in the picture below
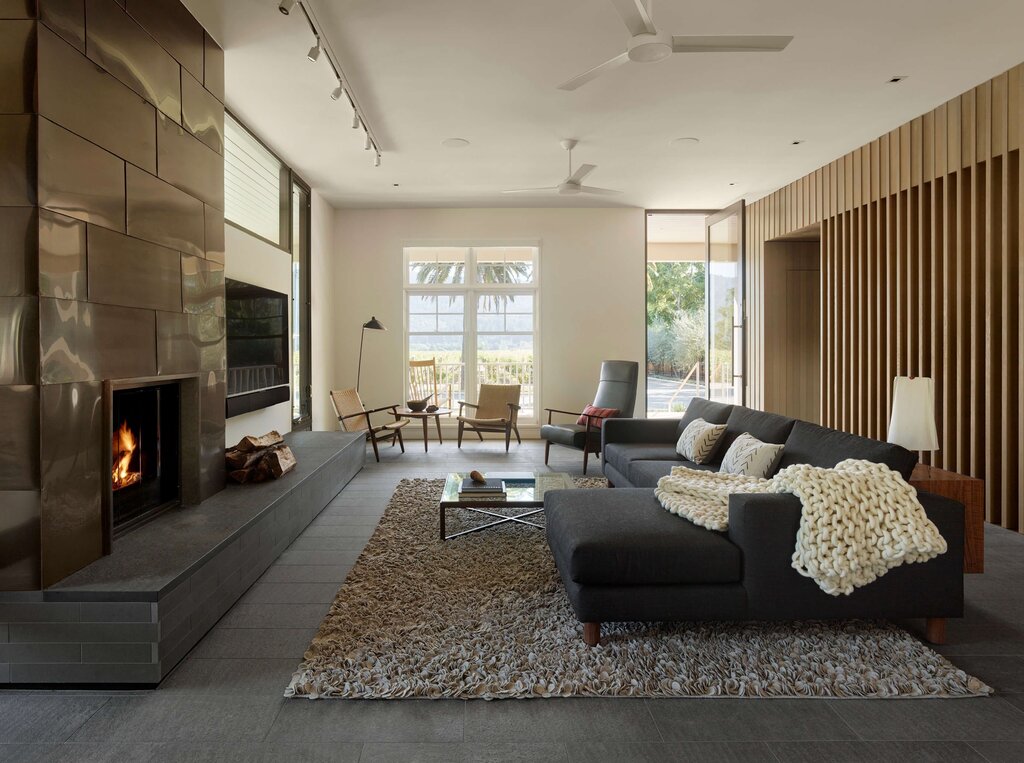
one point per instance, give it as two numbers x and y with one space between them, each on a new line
417 406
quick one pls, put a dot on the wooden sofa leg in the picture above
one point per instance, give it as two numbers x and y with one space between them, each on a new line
591 634
935 630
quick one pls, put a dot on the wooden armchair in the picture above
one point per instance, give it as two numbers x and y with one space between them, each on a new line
355 418
497 411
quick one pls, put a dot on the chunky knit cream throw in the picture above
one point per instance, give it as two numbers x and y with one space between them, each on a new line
859 520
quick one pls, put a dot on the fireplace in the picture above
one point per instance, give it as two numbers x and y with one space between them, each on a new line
145 453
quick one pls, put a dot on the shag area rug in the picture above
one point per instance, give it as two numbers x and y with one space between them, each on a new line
485 616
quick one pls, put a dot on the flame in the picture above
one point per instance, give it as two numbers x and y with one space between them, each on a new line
125 446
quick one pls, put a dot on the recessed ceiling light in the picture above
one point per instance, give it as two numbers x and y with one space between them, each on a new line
897 78
683 141
732 184
454 142
797 142
395 185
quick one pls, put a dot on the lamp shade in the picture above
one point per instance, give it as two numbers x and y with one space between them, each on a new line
912 423
374 324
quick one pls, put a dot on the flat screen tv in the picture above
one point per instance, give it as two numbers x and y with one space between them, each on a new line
257 347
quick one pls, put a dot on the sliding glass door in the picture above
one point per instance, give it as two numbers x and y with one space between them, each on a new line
724 241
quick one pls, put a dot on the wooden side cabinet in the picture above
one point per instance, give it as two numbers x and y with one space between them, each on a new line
971 493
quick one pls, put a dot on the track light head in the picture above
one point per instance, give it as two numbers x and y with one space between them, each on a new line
314 52
368 144
338 91
285 6
376 160
355 120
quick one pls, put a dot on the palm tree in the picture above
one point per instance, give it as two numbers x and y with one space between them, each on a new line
439 273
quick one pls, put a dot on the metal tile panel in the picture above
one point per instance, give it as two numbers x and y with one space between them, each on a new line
210 332
62 265
71 443
214 234
174 28
66 18
212 394
117 43
177 347
160 213
17 9
19 536
79 179
19 438
86 342
81 97
18 247
213 69
202 286
17 67
201 113
17 165
19 340
133 273
186 162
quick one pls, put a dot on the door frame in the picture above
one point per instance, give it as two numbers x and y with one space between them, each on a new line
739 210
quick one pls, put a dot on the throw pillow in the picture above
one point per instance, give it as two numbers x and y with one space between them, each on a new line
597 416
698 441
749 456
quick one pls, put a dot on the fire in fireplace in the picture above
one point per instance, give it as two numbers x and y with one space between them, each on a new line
145 453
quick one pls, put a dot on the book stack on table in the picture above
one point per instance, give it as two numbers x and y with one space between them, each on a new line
489 489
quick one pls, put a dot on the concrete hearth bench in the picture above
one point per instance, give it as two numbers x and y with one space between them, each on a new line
622 557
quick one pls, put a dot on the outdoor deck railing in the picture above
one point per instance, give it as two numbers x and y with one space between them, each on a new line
451 385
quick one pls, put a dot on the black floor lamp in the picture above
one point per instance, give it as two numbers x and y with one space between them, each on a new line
374 325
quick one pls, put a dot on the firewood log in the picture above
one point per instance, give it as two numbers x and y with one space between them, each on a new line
251 443
280 461
237 459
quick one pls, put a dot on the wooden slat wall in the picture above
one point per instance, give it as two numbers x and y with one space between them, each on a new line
921 274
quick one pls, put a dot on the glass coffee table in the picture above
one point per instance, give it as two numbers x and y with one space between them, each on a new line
523 490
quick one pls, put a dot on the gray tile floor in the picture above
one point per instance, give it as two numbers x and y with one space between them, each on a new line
224 703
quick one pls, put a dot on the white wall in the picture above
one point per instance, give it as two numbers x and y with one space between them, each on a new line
249 259
591 302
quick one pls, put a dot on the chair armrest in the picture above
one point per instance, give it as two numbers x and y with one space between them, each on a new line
558 410
393 408
639 430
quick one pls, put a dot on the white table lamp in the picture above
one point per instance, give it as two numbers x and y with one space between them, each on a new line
912 423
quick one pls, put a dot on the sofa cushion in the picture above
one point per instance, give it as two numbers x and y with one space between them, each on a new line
766 427
749 456
699 440
572 435
647 473
596 416
699 408
820 446
621 454
624 537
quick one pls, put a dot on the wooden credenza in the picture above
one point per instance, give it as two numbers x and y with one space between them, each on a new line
969 491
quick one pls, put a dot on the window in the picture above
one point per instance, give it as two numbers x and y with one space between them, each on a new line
256 185
302 391
473 310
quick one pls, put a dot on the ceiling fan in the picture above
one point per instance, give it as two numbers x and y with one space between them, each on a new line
573 181
647 45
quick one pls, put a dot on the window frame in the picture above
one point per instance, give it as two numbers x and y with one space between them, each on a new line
304 296
470 290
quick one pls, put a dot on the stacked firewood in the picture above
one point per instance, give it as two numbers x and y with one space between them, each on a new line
258 459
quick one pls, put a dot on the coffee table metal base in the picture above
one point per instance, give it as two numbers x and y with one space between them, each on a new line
501 519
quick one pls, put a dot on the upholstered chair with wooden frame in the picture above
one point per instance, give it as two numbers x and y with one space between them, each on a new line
355 418
616 390
496 410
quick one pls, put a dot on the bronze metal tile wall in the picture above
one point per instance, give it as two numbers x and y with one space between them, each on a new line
111 256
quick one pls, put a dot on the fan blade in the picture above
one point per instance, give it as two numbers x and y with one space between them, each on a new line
637 16
730 43
548 189
581 172
598 70
598 191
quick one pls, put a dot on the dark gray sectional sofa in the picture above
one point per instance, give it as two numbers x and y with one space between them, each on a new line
622 557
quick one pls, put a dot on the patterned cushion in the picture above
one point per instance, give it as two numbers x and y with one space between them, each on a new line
597 416
697 442
748 455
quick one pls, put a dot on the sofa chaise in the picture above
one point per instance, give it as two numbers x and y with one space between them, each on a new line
622 557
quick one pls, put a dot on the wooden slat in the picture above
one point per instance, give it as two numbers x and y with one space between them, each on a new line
999 114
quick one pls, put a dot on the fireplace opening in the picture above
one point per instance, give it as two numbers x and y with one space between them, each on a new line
145 475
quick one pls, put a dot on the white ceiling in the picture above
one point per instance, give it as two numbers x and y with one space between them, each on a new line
487 70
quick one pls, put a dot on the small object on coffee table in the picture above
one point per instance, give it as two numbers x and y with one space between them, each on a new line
418 406
257 459
432 408
477 477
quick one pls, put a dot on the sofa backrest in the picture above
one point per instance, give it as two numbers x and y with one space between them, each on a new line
699 408
820 446
766 427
